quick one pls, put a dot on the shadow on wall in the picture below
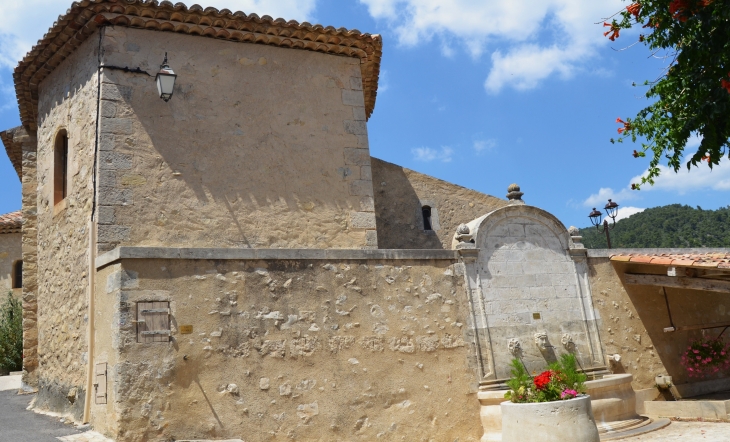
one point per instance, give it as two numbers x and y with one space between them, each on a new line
688 307
398 210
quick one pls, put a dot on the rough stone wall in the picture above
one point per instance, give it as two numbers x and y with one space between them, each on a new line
29 203
301 350
10 253
67 100
399 196
634 318
260 147
621 327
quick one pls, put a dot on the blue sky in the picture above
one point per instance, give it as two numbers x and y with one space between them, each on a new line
482 93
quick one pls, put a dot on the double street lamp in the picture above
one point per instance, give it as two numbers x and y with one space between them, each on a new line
611 212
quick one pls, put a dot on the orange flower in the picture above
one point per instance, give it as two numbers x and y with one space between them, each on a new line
725 83
627 126
634 9
706 158
613 31
680 9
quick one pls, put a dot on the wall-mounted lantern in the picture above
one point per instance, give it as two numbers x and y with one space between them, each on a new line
165 80
612 212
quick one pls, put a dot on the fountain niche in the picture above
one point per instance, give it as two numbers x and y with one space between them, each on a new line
530 299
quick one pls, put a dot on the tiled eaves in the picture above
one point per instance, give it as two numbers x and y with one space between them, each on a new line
14 150
86 16
698 260
11 222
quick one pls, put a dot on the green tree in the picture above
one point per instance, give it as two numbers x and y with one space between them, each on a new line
692 96
670 226
11 335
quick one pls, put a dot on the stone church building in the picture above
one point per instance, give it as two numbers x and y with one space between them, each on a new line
232 263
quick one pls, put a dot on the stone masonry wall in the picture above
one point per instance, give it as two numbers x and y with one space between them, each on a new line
295 349
29 189
67 100
399 196
621 327
259 147
10 253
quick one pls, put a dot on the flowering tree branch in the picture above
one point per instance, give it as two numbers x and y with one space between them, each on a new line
693 95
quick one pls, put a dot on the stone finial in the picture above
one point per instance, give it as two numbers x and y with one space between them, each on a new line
463 229
575 235
514 195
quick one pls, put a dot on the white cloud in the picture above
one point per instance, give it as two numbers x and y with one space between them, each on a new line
25 22
532 40
601 198
697 178
625 212
483 146
429 154
383 81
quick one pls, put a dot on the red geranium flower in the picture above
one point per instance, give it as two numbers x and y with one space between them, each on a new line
542 379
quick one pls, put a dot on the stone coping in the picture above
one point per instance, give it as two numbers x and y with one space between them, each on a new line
607 253
124 252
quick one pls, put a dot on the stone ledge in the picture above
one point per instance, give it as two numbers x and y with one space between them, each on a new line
124 252
606 253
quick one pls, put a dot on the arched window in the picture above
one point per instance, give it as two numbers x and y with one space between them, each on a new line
426 211
18 275
60 167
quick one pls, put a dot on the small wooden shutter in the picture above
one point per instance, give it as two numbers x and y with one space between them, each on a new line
100 383
153 322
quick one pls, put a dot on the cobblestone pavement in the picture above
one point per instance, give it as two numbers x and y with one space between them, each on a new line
688 432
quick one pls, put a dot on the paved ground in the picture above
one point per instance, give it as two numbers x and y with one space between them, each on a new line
20 425
687 432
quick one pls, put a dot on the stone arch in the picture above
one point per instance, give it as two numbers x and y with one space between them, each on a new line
531 288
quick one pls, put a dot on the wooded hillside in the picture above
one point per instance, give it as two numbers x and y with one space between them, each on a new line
666 227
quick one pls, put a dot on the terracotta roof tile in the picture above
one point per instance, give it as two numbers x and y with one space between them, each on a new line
704 260
11 222
86 16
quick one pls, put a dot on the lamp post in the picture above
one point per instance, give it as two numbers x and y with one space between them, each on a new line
611 212
165 80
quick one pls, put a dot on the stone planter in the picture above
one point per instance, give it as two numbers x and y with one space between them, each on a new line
559 421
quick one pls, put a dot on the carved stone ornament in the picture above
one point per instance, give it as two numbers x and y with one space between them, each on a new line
514 346
463 234
567 342
541 340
